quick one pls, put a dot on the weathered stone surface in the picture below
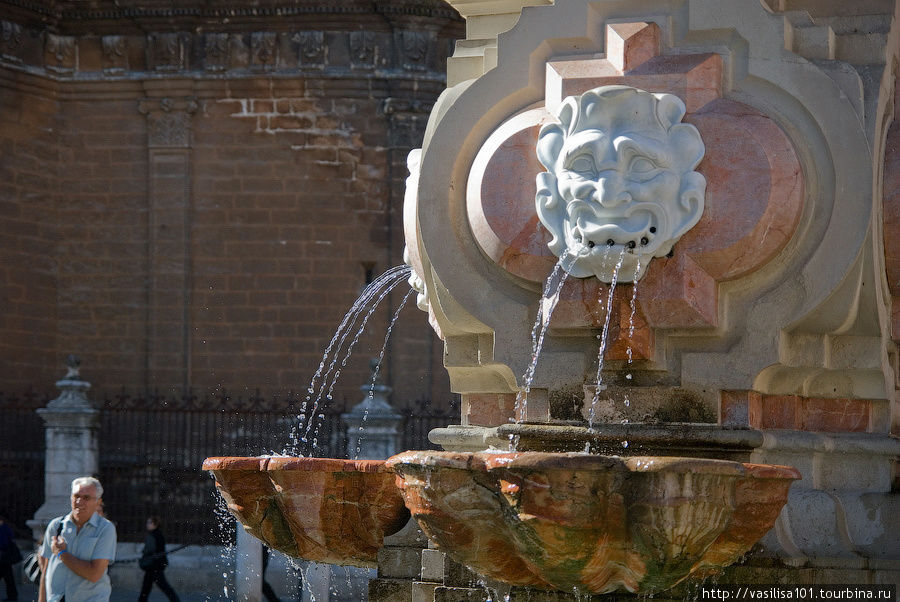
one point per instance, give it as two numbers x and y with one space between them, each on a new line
588 523
457 506
319 509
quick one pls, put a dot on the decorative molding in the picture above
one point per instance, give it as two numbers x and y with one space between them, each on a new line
166 52
212 54
168 121
620 186
310 47
238 52
115 54
10 40
414 50
362 48
263 49
70 15
60 53
216 51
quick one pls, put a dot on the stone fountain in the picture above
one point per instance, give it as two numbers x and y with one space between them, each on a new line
717 181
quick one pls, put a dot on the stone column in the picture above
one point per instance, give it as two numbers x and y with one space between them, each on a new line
71 427
248 567
373 427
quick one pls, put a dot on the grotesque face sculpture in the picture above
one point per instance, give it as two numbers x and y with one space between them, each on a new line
620 180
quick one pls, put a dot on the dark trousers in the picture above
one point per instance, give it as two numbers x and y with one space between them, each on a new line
6 573
268 592
157 576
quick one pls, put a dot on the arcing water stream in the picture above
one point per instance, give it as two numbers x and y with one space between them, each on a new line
300 442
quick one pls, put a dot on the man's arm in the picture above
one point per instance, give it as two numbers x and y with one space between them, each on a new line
42 588
92 570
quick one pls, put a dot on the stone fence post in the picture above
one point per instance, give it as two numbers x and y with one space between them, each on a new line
71 430
373 426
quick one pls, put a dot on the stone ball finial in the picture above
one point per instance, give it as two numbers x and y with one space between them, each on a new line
73 362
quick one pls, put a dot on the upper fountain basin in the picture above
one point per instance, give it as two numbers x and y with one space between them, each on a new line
320 509
588 523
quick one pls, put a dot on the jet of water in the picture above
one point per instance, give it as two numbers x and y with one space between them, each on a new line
549 299
604 337
384 345
365 305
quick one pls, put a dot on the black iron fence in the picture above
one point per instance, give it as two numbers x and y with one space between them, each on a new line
22 445
152 448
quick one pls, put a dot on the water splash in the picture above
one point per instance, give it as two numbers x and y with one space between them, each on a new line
226 533
604 337
549 299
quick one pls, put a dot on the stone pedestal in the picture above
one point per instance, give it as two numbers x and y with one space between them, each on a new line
71 427
399 566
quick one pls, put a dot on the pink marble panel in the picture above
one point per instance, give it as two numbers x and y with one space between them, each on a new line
695 78
500 199
836 415
488 409
631 44
754 191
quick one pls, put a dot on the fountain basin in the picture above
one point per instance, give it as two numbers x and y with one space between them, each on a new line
589 523
319 509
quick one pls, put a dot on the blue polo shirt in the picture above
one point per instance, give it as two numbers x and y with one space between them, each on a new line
97 540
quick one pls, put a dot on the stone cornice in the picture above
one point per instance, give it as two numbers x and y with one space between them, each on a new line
129 16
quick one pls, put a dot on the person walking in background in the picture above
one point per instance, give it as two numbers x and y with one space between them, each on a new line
154 562
77 549
267 590
9 555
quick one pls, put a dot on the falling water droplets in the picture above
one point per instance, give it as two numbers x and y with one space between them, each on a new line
605 336
549 299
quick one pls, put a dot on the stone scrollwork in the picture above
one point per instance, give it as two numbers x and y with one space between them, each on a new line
620 180
416 281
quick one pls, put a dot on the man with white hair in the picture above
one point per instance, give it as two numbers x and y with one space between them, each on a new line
77 549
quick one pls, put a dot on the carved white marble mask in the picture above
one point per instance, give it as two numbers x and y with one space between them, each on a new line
620 176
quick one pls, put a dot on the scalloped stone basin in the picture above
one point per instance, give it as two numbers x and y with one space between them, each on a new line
589 523
320 509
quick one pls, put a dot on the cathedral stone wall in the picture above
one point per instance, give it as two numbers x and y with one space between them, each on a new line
193 199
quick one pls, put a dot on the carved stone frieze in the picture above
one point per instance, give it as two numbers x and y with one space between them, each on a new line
238 52
310 48
413 47
263 49
216 51
211 53
168 121
166 52
60 53
115 53
10 39
362 49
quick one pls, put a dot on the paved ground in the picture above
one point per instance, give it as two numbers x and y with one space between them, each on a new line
28 593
